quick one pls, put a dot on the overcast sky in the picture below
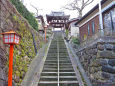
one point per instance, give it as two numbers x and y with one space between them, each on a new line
54 5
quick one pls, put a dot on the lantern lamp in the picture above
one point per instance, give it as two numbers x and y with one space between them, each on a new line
10 37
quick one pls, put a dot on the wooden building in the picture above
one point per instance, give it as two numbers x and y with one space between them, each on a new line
41 23
89 23
57 19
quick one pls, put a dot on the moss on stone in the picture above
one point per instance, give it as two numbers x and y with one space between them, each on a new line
24 52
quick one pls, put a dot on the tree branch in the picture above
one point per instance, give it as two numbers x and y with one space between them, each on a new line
88 2
78 5
37 9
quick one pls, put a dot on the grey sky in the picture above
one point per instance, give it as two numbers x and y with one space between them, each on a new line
54 5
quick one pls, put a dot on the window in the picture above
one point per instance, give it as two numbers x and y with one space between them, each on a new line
93 27
88 30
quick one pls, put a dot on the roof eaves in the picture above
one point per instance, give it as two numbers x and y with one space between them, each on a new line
94 8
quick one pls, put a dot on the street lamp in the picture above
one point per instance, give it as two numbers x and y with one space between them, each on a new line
45 27
10 38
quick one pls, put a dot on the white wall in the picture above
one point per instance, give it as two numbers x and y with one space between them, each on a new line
74 30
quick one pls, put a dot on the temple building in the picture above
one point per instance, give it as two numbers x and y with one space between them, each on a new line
57 20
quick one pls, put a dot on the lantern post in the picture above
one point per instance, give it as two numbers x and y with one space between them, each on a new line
45 27
12 39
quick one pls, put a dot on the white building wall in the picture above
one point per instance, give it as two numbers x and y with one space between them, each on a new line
74 30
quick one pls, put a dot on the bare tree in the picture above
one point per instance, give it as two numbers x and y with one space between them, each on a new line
37 9
78 5
22 1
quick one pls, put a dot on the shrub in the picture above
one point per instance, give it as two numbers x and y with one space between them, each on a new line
25 13
75 40
67 32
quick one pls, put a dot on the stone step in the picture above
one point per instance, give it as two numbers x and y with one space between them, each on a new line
51 67
52 55
69 83
67 74
68 79
66 70
51 58
53 63
65 63
66 66
48 79
49 61
48 83
64 58
50 70
49 74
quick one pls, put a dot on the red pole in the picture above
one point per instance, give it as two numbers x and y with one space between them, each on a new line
10 65
45 34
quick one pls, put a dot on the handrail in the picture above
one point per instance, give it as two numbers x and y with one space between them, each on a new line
58 59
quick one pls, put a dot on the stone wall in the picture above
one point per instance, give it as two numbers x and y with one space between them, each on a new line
98 60
10 19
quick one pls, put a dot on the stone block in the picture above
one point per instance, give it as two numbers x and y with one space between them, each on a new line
114 48
108 69
99 62
111 62
104 83
104 62
95 63
106 75
98 75
106 54
94 51
95 69
109 46
100 47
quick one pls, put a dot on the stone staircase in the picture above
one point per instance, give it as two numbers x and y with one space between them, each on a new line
58 69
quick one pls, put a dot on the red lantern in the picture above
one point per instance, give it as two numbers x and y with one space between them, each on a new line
10 38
